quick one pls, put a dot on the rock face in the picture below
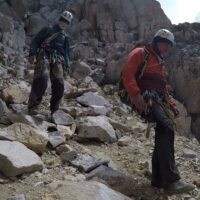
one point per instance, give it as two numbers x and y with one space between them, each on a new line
33 138
184 73
16 159
97 128
122 21
87 190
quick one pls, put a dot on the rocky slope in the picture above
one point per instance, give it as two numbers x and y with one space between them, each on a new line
95 145
184 70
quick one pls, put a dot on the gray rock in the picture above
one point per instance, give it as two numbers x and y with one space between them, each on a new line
14 94
115 179
80 70
125 141
97 128
67 156
34 24
119 126
99 110
87 163
63 148
92 99
86 190
67 131
188 153
61 118
56 138
33 138
3 108
17 197
16 159
19 108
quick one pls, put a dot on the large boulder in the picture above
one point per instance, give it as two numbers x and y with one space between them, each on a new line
87 163
113 178
61 118
14 94
97 128
92 99
16 159
184 76
86 190
33 138
80 70
183 122
34 24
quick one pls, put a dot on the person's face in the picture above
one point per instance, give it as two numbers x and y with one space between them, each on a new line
164 48
63 24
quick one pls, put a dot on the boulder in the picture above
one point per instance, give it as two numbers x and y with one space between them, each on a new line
68 155
97 128
80 70
56 138
16 159
86 190
61 118
113 70
34 24
183 122
87 163
93 99
114 179
63 148
33 138
3 108
67 131
188 153
14 94
124 141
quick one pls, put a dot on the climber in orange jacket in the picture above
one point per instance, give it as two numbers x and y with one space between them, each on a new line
151 84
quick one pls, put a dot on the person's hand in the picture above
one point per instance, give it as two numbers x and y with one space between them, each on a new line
139 103
31 59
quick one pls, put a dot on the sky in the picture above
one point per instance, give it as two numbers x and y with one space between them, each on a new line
180 11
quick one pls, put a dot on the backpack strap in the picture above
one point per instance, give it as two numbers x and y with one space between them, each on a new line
123 94
142 66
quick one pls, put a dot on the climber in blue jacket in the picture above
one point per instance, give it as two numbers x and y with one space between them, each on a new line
50 49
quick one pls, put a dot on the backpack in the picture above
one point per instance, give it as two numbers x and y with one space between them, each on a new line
123 94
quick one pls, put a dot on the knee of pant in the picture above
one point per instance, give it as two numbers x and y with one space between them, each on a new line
58 86
40 83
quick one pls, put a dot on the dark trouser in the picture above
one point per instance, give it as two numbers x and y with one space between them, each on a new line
40 82
164 170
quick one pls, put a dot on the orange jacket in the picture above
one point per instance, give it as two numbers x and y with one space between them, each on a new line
135 58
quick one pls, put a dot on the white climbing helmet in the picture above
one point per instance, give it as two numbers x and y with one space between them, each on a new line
67 16
166 34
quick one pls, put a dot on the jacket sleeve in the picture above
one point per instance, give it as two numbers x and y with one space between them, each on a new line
37 41
129 70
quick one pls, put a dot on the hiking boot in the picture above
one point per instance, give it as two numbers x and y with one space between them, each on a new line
179 187
156 185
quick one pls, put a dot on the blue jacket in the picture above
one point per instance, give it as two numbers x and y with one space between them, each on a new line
60 44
